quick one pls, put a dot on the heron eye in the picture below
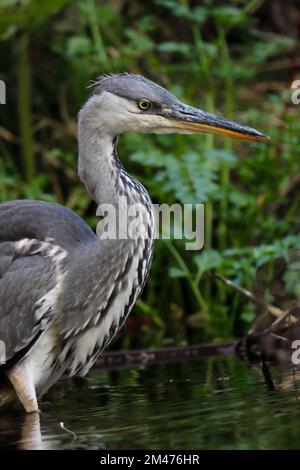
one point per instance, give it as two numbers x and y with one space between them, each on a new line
144 105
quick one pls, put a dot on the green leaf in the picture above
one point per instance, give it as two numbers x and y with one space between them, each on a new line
175 272
209 259
175 47
78 45
248 316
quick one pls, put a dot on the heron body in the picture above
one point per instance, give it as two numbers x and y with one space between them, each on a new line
64 292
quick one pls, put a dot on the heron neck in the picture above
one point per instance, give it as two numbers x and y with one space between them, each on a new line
96 167
106 180
101 171
114 269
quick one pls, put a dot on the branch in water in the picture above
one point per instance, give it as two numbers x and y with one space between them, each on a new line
275 311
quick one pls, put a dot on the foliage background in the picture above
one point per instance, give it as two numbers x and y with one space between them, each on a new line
236 58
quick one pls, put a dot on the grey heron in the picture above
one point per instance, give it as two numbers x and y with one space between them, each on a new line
64 293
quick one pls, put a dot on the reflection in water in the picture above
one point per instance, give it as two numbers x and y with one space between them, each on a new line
21 431
31 437
24 432
217 403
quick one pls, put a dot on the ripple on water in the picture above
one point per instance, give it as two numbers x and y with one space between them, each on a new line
216 403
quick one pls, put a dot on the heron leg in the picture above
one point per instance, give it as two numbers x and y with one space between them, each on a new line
23 385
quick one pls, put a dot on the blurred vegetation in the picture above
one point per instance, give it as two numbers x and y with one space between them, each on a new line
236 58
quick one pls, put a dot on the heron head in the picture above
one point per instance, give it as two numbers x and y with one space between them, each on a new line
127 102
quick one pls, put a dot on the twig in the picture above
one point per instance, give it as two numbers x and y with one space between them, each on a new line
288 313
62 426
282 338
125 359
5 134
275 311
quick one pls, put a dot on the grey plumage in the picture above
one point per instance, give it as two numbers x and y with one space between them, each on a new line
64 293
58 277
28 273
135 87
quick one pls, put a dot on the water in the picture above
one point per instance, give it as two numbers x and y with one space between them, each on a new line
215 403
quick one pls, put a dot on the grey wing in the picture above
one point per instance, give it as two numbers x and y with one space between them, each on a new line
91 284
25 280
40 220
35 237
95 301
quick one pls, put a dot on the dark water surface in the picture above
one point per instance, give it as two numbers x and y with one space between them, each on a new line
215 403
